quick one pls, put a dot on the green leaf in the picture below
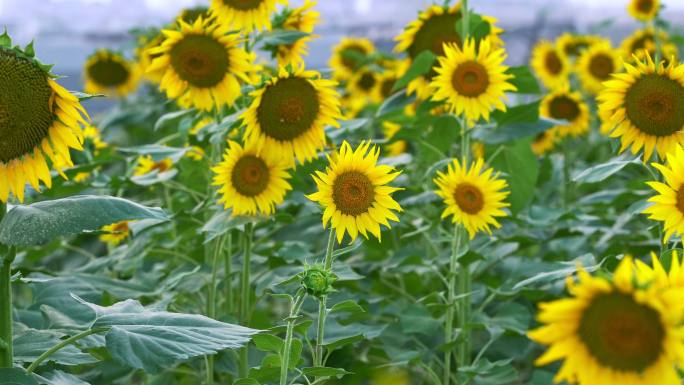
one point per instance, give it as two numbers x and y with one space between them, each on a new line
16 376
172 119
421 65
29 50
478 28
220 223
282 37
268 342
246 381
325 372
41 222
416 319
348 306
32 343
157 152
57 377
523 80
522 168
603 171
396 102
5 39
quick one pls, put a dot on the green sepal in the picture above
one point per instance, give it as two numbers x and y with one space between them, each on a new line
5 40
29 50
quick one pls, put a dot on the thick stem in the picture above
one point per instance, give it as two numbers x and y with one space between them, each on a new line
287 347
62 345
245 295
228 266
211 301
323 302
463 353
451 305
6 350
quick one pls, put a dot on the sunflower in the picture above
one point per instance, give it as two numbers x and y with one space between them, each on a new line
644 10
245 15
596 64
668 205
146 165
562 104
613 331
646 106
289 113
348 56
39 121
118 232
643 42
145 44
434 27
354 192
388 78
195 153
201 64
470 82
544 141
92 134
474 196
251 182
396 147
107 72
571 45
302 19
657 275
550 64
363 86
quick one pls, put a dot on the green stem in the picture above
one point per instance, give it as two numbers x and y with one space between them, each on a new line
245 295
211 302
322 303
6 350
287 347
62 345
463 353
228 266
451 305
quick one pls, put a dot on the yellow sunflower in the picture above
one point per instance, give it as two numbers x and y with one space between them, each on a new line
396 147
550 64
474 196
245 15
571 45
302 19
657 275
544 141
562 104
289 113
146 164
646 106
348 56
39 121
354 192
251 182
644 10
434 27
109 73
595 65
93 135
613 331
118 232
363 86
200 64
145 58
668 205
470 81
643 42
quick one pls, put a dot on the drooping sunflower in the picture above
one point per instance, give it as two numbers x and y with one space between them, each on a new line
146 164
550 64
572 45
645 106
613 331
474 196
643 42
668 205
117 233
354 192
644 10
251 182
200 64
302 19
348 56
363 86
396 147
544 142
563 104
472 80
289 113
39 121
245 15
434 27
595 65
109 73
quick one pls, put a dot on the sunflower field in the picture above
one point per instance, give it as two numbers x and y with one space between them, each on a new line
424 215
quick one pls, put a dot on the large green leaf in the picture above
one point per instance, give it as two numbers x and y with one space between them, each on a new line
522 168
523 80
602 171
57 377
32 343
282 37
16 376
421 65
41 222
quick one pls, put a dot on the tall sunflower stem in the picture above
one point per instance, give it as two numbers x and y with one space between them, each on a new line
6 349
295 308
451 305
245 294
228 275
211 301
322 303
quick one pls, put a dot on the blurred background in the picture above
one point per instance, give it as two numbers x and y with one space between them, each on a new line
67 31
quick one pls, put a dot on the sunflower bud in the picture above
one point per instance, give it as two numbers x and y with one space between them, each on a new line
317 281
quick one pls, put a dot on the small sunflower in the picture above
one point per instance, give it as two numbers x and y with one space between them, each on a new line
354 192
562 104
613 331
200 64
435 27
596 64
146 164
245 15
643 42
544 142
107 72
364 86
396 147
645 106
550 64
571 45
195 153
644 10
472 81
118 232
92 134
289 113
302 19
251 182
348 56
39 121
668 205
474 196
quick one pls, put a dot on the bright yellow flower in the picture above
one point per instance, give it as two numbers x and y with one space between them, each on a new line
118 232
668 205
643 42
644 10
143 53
92 134
302 19
146 165
396 147
550 64
545 141
245 15
595 65
571 45
109 73
562 104
364 86
348 56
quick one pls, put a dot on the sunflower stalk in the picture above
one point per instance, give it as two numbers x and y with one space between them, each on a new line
322 304
6 349
228 275
295 308
211 300
245 294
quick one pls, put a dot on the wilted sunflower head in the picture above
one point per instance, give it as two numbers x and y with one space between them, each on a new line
245 15
350 55
108 72
39 121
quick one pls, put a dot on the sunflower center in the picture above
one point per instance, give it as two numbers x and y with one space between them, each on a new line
160 166
349 56
250 176
288 108
470 79
565 108
645 5
200 60
353 193
621 333
108 72
655 105
469 198
367 81
121 227
553 63
601 66
680 199
386 87
434 32
25 106
243 5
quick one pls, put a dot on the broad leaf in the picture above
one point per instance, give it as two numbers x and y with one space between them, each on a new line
32 343
421 65
602 171
16 376
522 168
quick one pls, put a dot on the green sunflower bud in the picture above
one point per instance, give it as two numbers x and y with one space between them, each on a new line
317 281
